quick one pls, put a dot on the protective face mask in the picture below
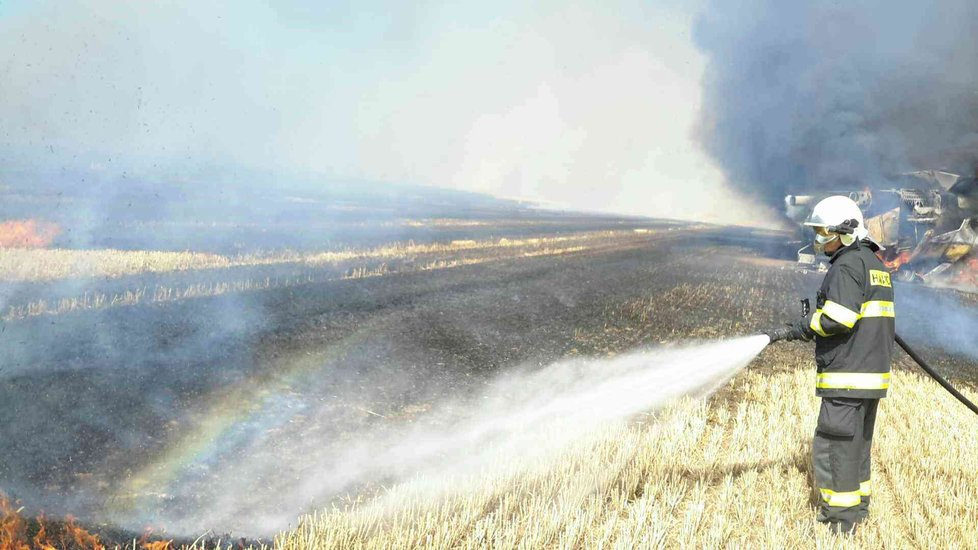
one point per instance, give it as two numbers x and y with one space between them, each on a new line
821 241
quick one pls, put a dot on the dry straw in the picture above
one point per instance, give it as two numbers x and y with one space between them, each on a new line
727 474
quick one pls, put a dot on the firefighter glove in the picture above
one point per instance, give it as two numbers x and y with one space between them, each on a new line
791 331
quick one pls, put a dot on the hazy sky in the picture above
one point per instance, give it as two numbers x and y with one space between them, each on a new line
589 105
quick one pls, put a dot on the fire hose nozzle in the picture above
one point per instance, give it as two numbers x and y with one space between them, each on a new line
792 331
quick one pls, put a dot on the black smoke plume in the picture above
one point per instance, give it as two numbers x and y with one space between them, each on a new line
838 95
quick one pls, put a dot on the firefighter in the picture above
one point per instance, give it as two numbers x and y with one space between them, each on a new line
853 328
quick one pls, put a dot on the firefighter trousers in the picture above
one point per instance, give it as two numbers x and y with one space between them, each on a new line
841 459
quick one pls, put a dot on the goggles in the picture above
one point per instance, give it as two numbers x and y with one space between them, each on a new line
823 237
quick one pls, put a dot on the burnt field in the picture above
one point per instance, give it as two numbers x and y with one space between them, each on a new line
237 412
255 213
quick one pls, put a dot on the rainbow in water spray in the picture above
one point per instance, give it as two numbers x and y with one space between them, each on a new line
528 414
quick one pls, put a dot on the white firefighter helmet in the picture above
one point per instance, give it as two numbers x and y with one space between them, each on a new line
835 211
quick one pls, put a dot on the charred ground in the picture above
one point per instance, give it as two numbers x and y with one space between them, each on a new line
99 400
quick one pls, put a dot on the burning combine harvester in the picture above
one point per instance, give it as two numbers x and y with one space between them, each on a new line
928 222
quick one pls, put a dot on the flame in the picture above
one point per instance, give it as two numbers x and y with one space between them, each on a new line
51 535
967 275
146 544
13 528
15 533
41 538
27 234
81 537
896 263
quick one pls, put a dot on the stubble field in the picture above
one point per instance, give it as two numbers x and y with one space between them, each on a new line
330 361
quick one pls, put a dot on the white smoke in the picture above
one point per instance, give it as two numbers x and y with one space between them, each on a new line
590 106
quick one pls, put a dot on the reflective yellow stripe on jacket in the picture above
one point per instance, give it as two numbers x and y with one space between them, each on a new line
877 308
852 380
847 317
840 499
816 323
843 315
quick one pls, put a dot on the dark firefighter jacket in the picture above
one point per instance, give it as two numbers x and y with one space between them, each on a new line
854 325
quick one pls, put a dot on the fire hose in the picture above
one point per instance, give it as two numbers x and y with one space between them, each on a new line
937 377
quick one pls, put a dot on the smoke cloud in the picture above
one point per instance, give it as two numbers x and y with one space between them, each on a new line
588 106
830 95
953 328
